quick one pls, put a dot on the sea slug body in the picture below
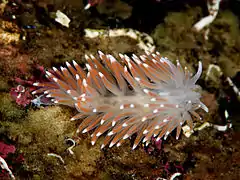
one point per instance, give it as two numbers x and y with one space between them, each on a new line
146 94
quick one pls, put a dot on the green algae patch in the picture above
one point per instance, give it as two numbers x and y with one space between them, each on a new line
226 28
4 86
42 132
122 162
225 36
49 127
84 164
176 31
9 110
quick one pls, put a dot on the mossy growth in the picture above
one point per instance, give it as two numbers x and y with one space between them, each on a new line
4 86
121 162
84 164
176 31
225 29
41 132
228 67
9 111
46 130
